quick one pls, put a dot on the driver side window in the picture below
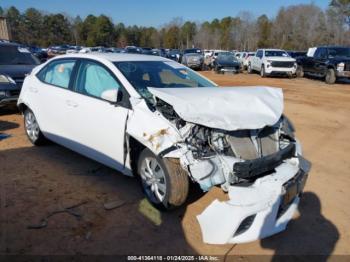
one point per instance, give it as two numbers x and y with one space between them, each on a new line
93 79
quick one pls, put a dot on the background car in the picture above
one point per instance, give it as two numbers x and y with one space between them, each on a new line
226 62
15 63
272 62
174 54
193 60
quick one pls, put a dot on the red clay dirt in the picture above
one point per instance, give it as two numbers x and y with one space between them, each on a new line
37 180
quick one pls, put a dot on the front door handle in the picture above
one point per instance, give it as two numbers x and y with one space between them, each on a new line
71 103
33 89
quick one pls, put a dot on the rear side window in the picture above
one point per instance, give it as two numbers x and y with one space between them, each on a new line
57 73
93 79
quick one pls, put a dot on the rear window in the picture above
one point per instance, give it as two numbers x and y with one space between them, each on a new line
14 55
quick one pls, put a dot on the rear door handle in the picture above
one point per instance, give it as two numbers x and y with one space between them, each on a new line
71 103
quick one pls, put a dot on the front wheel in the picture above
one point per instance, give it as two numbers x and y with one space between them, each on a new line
164 182
300 71
330 76
262 71
32 128
249 69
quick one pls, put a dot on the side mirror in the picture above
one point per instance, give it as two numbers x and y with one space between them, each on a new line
112 95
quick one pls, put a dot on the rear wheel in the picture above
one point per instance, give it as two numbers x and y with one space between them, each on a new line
249 69
163 181
32 128
330 76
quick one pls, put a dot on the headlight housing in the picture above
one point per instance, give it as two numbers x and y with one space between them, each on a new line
4 79
340 67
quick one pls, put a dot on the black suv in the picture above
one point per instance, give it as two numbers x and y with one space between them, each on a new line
15 63
328 62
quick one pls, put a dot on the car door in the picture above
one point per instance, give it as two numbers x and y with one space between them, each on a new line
320 61
49 92
257 60
97 126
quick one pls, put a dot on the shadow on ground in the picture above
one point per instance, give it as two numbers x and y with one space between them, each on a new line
51 177
6 125
310 234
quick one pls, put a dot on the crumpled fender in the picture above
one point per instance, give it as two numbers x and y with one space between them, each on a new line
151 128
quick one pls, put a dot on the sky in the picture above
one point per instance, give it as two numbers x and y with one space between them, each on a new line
159 12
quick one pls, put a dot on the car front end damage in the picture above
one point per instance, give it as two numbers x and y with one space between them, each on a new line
248 149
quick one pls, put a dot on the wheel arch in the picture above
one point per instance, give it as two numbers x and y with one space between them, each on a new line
22 107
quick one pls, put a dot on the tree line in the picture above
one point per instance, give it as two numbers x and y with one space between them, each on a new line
294 27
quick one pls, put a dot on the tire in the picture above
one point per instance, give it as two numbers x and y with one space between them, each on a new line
32 129
216 69
330 76
262 71
158 175
300 71
249 69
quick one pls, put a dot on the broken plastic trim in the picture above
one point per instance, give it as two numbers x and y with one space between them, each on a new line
245 225
252 168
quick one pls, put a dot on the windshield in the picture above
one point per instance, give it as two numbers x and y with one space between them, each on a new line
174 52
160 74
227 57
338 51
276 53
14 55
191 51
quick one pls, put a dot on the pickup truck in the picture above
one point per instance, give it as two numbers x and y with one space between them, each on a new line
327 62
272 62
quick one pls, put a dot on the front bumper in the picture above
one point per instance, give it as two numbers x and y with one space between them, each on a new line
256 211
229 69
10 98
343 73
194 65
280 70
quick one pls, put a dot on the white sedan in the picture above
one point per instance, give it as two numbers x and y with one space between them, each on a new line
160 121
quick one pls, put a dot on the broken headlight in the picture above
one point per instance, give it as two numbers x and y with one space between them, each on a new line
287 126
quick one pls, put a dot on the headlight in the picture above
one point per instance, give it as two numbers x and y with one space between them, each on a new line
269 61
295 65
2 93
287 126
340 67
6 79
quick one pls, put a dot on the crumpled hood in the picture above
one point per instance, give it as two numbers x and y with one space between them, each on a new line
227 108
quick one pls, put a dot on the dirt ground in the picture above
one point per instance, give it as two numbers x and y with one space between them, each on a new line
37 180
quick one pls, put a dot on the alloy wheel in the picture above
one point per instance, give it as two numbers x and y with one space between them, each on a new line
153 179
31 125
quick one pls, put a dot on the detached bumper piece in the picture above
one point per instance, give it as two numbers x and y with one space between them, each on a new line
259 210
256 167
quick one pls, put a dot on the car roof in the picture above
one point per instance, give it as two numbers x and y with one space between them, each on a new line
271 49
116 57
8 44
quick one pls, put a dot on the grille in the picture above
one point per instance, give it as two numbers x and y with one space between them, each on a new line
347 67
282 64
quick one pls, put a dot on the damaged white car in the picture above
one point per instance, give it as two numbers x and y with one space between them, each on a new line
163 122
